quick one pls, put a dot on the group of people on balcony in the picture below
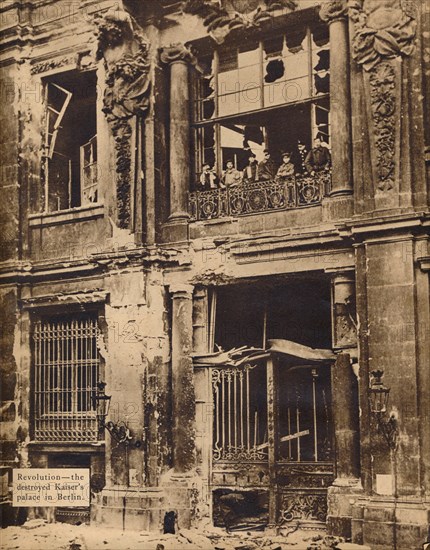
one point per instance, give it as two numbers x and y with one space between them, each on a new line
316 160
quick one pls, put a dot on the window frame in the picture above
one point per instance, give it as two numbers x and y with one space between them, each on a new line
56 414
198 123
75 181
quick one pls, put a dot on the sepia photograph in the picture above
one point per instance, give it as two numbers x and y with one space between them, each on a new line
214 274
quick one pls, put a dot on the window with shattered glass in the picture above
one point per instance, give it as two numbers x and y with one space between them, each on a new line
267 94
70 141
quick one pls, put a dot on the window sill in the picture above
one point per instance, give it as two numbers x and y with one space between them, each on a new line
81 213
67 446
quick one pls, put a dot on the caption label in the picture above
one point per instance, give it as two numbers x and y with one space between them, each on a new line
51 487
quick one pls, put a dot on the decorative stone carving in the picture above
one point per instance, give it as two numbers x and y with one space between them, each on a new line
177 52
125 50
221 17
299 507
50 64
383 103
382 29
333 11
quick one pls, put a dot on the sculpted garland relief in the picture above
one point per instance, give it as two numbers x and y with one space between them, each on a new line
125 51
384 32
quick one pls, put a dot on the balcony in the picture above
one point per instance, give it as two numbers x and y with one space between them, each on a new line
264 196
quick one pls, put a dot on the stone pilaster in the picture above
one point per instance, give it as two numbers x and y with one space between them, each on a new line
204 412
183 395
388 130
125 54
393 513
178 58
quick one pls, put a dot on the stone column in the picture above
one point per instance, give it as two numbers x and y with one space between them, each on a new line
334 13
178 57
345 387
183 396
346 487
344 311
345 416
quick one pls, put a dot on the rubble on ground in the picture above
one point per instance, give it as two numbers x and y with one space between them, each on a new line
38 534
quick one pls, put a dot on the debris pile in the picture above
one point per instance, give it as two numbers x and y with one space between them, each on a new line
40 535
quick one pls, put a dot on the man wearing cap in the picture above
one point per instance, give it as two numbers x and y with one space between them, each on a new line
231 176
318 158
267 167
250 171
208 178
287 167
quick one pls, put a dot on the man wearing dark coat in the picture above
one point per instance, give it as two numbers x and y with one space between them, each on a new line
318 158
250 171
267 168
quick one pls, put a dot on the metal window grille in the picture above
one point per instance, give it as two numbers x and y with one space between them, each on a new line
240 413
66 373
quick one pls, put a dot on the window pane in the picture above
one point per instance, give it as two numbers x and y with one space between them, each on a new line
250 99
232 144
228 59
296 65
228 104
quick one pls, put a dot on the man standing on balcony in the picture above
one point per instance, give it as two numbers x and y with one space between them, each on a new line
267 168
208 178
318 158
286 169
231 176
250 170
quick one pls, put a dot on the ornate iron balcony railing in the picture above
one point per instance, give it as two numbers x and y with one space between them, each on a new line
262 196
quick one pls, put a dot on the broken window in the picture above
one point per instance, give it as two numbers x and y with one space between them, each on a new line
70 144
66 371
272 93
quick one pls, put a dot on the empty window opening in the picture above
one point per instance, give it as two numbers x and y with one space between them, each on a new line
300 311
70 152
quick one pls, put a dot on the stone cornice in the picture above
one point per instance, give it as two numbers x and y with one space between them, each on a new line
407 225
60 299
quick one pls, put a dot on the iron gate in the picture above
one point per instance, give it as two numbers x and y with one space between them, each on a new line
272 457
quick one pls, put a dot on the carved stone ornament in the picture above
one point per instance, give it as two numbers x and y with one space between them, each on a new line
333 10
303 507
56 63
125 51
383 104
382 29
177 52
222 16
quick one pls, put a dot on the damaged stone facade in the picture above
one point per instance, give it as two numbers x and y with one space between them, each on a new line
110 225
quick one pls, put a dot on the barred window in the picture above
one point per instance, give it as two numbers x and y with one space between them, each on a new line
66 371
